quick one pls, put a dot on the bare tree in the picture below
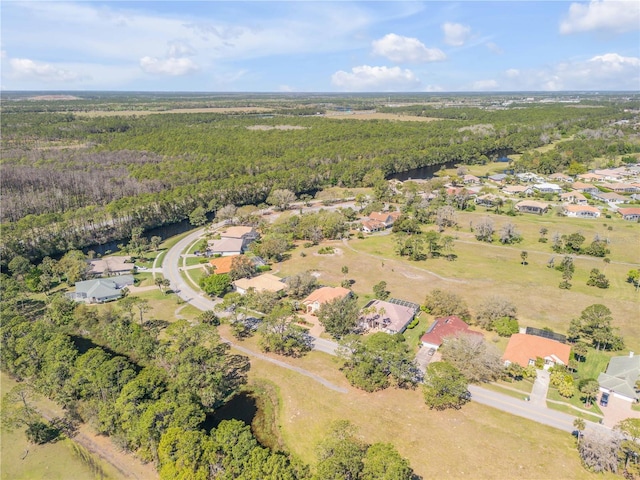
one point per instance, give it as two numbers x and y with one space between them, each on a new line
509 233
494 308
228 212
477 360
281 198
445 217
599 450
484 230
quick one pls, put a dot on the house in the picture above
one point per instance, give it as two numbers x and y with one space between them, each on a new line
323 295
442 328
590 177
487 200
580 211
611 174
387 218
573 197
227 246
621 377
518 190
371 226
560 177
498 177
610 197
100 290
621 187
108 266
241 232
631 214
584 187
391 317
531 206
470 179
525 349
266 282
529 177
222 264
547 188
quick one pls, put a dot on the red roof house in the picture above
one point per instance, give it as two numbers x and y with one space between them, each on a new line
442 328
524 349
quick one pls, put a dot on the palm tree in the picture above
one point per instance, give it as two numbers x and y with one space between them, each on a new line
580 425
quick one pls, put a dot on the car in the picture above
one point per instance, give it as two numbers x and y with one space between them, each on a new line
604 399
577 434
431 352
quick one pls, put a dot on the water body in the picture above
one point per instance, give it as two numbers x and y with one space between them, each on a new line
422 173
242 406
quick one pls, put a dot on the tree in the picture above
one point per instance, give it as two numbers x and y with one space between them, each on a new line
282 335
442 304
484 230
339 316
216 285
73 266
599 451
154 242
589 389
380 290
19 266
445 217
383 462
630 428
509 234
18 412
241 267
523 257
493 309
597 279
580 426
281 198
374 362
477 360
301 284
444 386
226 213
341 454
142 304
505 326
198 217
633 277
580 351
594 324
271 246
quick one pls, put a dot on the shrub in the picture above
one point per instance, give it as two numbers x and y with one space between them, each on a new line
326 251
263 268
414 323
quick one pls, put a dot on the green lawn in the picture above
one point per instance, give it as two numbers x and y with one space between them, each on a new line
564 408
576 401
596 363
412 335
190 261
508 391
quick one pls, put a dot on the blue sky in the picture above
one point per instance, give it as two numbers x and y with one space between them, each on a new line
328 46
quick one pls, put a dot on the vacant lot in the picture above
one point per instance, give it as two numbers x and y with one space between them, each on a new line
474 442
115 113
379 116
482 270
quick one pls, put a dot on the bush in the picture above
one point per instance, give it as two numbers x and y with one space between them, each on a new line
326 251
414 323
263 268
308 244
505 327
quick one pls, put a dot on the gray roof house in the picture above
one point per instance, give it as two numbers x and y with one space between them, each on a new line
621 377
227 246
100 290
390 317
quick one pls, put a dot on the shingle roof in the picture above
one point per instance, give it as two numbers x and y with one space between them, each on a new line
265 282
621 375
445 327
227 245
236 232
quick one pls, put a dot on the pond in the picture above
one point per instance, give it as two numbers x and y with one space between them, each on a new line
242 406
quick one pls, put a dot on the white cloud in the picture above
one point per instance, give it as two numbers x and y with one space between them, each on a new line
495 48
372 79
484 85
401 49
613 15
609 71
456 34
286 88
168 66
513 73
27 69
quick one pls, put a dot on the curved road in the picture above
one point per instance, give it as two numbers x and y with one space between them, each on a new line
537 413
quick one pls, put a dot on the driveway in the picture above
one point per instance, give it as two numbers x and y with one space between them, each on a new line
617 410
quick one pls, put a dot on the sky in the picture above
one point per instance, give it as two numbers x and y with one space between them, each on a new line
320 46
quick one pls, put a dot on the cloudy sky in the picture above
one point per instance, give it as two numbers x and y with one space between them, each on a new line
325 46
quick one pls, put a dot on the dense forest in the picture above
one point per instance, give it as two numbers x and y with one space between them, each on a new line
71 180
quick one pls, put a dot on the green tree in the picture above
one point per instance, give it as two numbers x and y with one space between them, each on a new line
341 455
281 334
633 277
339 317
441 303
597 279
383 462
589 389
580 425
216 285
523 257
380 290
281 198
198 217
444 386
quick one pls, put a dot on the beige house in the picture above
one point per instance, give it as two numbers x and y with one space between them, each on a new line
531 206
323 295
266 282
580 211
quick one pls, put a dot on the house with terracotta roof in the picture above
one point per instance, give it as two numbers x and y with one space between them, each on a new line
621 377
631 214
518 190
584 187
580 211
525 349
445 327
323 295
573 197
222 264
590 177
531 206
621 187
370 226
266 282
387 218
390 317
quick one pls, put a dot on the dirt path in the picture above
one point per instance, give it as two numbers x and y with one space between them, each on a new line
101 446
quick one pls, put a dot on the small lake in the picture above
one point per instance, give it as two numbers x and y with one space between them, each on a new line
422 173
242 406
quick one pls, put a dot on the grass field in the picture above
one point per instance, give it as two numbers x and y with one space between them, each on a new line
474 442
64 460
482 270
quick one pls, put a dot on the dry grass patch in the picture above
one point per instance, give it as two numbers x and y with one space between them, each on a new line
380 116
474 442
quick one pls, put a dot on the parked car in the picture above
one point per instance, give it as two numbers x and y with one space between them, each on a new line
431 352
604 399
